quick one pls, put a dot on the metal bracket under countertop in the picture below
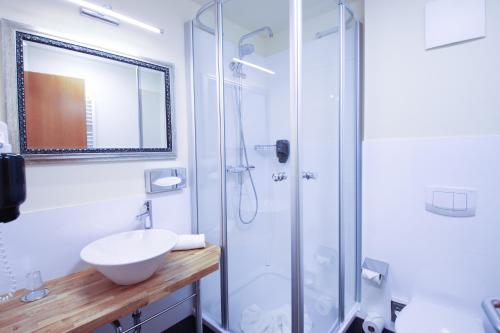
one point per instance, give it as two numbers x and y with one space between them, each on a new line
136 328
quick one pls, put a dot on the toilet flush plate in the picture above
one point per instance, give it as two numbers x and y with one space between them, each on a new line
451 201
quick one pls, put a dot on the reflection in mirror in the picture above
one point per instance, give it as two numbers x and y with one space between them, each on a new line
79 100
153 116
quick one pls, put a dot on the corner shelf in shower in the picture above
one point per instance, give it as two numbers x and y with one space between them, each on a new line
265 148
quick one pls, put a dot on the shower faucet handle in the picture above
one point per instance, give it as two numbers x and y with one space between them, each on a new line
309 175
280 176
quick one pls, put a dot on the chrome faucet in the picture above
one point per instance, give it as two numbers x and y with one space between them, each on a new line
147 215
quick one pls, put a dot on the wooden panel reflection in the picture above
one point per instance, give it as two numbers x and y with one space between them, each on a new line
55 111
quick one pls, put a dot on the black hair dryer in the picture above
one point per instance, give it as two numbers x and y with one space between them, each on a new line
12 186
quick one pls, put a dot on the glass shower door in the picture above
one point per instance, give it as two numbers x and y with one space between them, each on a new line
328 148
207 212
319 153
350 162
251 143
257 116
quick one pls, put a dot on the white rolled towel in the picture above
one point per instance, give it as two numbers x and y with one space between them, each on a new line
189 242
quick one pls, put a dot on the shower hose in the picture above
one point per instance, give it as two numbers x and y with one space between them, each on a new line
243 151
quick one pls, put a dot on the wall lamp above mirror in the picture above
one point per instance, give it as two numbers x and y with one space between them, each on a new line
69 101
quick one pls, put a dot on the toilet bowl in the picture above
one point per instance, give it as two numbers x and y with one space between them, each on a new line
424 315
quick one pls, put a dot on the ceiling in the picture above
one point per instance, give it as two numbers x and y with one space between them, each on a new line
253 14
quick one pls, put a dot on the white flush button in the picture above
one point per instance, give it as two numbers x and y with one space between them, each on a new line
459 201
442 200
451 201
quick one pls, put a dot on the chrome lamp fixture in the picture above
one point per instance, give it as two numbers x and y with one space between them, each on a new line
108 15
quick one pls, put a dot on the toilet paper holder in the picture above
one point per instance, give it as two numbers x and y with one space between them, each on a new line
374 271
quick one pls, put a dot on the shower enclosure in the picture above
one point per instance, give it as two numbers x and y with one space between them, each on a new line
275 172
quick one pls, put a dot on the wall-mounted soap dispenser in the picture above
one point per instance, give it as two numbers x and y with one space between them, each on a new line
12 179
12 195
282 150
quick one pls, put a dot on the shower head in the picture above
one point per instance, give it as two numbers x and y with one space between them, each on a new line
246 49
269 32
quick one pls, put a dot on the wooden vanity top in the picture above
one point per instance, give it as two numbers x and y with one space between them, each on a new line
85 301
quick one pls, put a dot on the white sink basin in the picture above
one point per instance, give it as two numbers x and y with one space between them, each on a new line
129 257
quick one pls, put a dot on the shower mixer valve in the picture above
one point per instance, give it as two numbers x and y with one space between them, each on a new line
280 176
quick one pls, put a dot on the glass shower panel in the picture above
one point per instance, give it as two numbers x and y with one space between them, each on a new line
319 133
257 115
350 168
207 151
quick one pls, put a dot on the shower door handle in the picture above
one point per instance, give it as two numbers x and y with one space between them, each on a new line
307 175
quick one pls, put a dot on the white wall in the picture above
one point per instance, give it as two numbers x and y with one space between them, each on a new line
411 92
431 118
69 205
431 254
61 185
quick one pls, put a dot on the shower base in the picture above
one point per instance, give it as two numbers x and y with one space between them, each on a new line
271 290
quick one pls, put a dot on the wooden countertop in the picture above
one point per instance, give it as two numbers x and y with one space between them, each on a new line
86 300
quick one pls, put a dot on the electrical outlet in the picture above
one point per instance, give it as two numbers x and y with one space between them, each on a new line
396 307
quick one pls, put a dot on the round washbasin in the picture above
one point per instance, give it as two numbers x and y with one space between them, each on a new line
129 257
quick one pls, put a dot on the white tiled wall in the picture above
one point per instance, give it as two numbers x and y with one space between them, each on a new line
431 254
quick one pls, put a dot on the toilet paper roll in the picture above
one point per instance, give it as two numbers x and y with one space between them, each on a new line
189 242
373 324
372 276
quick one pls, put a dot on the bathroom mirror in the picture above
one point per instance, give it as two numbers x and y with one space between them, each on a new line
79 102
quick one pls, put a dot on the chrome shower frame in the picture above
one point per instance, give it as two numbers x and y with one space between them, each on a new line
297 290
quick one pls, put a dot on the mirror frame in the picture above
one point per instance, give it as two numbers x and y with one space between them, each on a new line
12 37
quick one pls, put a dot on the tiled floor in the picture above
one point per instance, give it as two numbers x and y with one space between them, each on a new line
187 326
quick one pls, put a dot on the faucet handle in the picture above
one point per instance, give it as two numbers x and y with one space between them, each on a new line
148 204
145 209
147 213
